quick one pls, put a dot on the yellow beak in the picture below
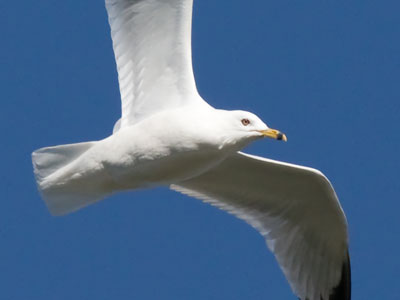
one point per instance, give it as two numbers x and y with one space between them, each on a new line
275 134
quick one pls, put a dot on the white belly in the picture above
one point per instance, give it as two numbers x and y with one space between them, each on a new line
145 161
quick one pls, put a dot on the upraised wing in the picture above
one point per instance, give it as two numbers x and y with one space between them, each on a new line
295 209
152 46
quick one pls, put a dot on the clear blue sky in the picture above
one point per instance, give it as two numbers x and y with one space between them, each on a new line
326 72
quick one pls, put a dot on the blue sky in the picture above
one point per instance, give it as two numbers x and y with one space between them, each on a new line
324 72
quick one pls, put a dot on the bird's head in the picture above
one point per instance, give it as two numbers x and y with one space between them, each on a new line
215 128
242 127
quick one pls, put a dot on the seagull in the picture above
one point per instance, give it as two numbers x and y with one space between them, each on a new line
169 136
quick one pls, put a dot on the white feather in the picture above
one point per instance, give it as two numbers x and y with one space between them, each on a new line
152 46
295 208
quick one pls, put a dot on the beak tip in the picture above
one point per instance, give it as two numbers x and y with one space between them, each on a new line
281 137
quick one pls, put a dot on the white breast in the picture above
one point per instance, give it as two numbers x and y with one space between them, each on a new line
143 155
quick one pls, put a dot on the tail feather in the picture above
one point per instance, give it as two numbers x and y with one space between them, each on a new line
66 179
49 159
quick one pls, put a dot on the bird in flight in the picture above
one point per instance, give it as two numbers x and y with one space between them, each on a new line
169 136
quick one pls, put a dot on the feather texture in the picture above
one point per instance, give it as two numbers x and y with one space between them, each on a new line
295 209
152 47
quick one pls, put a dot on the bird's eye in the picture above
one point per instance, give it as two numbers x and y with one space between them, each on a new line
245 122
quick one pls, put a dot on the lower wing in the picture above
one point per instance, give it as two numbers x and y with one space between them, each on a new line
296 210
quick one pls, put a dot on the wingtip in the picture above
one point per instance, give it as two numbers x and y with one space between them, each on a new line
343 290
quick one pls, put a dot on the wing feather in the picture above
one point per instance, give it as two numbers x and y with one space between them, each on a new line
296 210
152 47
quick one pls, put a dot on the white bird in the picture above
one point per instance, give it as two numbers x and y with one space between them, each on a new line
168 135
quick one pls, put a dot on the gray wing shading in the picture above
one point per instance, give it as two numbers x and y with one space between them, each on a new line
295 209
152 47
